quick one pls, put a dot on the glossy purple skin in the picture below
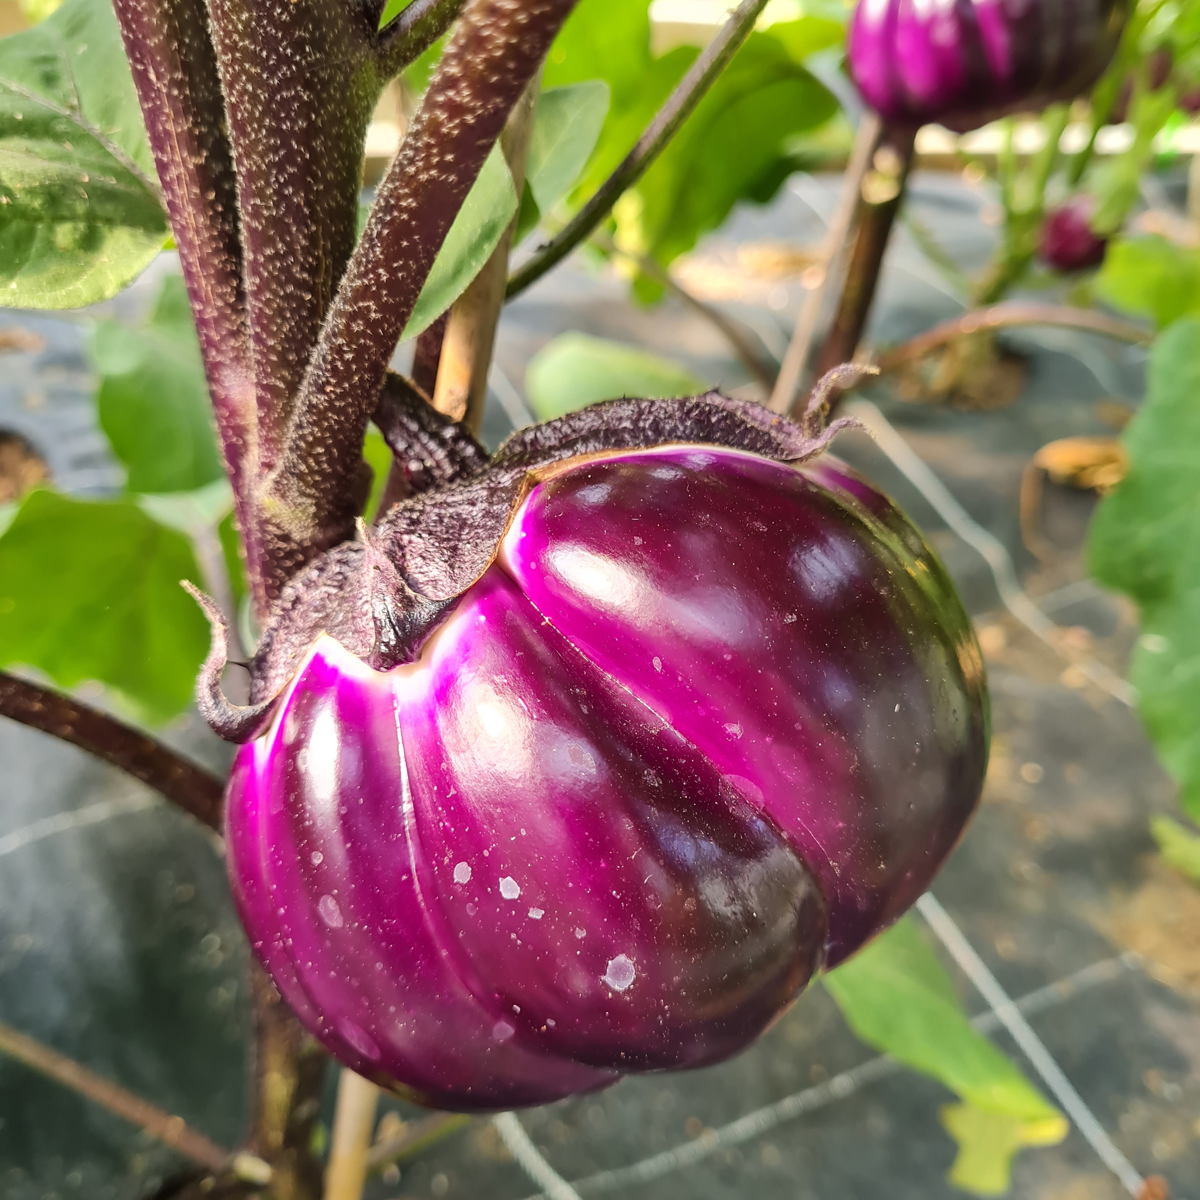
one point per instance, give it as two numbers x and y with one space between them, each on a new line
708 723
963 63
1067 241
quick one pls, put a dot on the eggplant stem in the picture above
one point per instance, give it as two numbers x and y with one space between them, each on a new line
192 788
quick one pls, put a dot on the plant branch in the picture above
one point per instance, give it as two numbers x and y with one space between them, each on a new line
679 106
183 783
416 1137
1002 316
882 194
413 32
786 391
300 84
493 53
175 74
470 333
286 1076
170 1130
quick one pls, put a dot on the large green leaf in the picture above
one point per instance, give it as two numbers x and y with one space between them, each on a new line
568 124
1151 277
90 591
895 996
736 146
153 398
1145 541
575 370
79 214
489 207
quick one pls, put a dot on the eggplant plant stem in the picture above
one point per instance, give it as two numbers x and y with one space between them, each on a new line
175 75
286 1075
353 1125
192 788
679 106
492 54
786 391
171 1130
466 354
412 32
1003 316
882 193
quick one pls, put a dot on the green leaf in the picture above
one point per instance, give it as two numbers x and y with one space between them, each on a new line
565 132
1145 541
90 591
987 1142
79 214
735 146
489 207
379 458
1179 846
896 997
153 399
1151 277
575 370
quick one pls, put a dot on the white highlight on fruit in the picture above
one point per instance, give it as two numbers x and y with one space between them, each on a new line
537 913
462 873
509 888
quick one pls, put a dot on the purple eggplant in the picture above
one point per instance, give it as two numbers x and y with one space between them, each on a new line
963 63
584 763
1068 242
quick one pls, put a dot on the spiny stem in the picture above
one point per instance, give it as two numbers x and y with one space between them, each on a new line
882 193
299 81
470 334
175 74
492 54
183 783
1002 316
170 1130
679 106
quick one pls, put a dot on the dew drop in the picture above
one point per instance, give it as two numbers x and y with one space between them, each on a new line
580 933
537 913
509 888
331 914
502 1031
550 1022
657 663
620 973
317 858
462 873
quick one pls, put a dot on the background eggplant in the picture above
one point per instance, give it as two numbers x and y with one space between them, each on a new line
963 63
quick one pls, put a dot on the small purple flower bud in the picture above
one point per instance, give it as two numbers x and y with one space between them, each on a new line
963 63
705 724
1067 240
